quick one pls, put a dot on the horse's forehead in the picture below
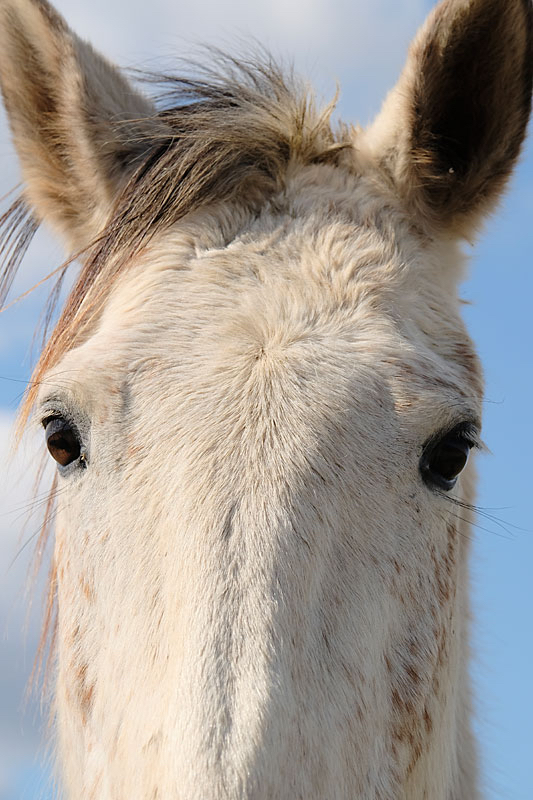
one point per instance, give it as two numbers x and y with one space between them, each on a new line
330 259
306 301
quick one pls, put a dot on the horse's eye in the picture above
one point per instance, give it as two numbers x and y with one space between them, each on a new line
445 458
62 440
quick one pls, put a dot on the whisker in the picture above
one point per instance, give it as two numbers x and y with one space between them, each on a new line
32 506
478 511
24 546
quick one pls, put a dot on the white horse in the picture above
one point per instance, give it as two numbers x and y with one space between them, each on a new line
261 399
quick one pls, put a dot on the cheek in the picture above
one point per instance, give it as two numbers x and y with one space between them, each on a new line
106 533
74 555
83 539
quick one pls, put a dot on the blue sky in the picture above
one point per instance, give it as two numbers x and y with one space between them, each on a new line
362 44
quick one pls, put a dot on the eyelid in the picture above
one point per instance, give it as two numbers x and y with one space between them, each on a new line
48 417
55 405
471 433
468 430
475 440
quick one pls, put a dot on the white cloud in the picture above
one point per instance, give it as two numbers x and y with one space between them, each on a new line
19 621
340 31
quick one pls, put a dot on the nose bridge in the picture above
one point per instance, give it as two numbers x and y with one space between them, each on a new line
235 674
278 629
260 497
228 672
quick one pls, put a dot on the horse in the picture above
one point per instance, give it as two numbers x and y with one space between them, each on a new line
261 400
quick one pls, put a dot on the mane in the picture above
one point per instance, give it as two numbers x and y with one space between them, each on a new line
230 133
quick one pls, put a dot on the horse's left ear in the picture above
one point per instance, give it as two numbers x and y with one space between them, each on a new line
450 132
77 123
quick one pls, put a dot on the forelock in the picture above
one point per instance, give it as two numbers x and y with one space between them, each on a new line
227 135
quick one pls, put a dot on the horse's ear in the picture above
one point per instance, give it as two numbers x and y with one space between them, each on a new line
76 122
450 132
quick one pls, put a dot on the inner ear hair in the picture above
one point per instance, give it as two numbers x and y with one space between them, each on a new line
450 132
471 102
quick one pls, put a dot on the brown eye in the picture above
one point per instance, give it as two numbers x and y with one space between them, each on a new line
62 440
445 458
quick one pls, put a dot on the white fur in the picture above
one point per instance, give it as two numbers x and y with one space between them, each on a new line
232 596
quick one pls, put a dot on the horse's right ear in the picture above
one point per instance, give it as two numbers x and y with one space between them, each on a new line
76 122
450 132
